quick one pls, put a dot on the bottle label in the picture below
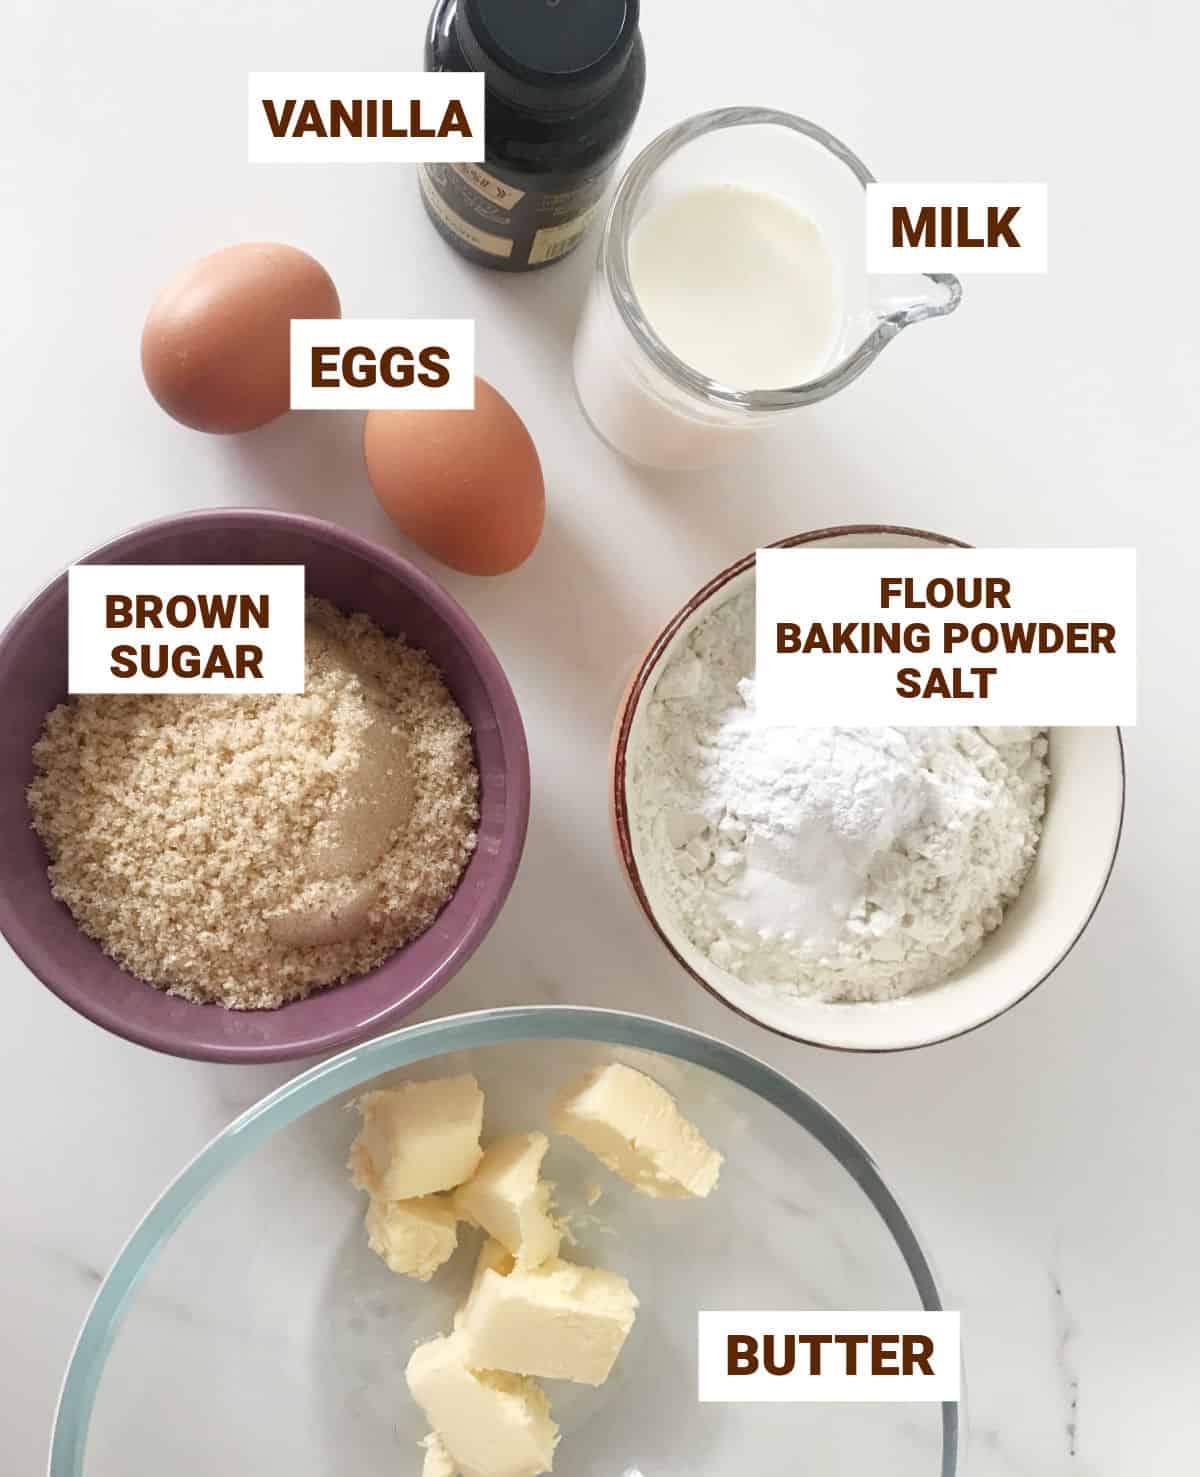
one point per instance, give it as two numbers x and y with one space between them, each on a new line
495 191
487 243
551 242
500 224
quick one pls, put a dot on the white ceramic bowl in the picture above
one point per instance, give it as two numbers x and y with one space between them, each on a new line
1079 842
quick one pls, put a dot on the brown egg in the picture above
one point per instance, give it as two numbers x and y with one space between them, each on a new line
464 484
215 347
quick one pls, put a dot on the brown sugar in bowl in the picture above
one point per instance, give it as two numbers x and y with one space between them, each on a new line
355 575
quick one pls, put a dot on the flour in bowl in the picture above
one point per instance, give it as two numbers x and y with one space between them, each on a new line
838 863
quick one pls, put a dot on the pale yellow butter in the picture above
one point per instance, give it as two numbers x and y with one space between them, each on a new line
414 1237
492 1258
438 1461
418 1139
510 1201
633 1126
490 1424
559 1320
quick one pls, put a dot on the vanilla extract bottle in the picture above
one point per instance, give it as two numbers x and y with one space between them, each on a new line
563 83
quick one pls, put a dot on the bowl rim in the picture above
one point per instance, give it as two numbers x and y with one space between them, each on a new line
176 1041
425 1041
620 810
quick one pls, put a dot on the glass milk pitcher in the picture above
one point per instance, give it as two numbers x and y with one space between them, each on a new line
643 398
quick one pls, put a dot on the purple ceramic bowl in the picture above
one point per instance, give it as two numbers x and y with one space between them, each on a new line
353 574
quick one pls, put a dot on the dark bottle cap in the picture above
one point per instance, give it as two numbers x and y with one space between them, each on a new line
548 55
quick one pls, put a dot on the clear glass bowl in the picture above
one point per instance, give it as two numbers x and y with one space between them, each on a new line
246 1326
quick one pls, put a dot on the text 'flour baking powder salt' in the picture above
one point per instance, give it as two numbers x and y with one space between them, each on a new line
843 864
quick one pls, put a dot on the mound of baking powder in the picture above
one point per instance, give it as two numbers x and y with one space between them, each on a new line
849 864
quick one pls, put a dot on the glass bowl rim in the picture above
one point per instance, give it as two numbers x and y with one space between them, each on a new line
406 1047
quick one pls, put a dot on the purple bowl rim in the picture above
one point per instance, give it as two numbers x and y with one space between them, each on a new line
27 946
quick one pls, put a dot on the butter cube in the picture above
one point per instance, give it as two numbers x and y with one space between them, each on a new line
437 1461
633 1126
490 1424
510 1201
418 1139
492 1258
559 1320
414 1237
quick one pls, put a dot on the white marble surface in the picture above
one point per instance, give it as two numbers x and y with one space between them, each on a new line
1050 1158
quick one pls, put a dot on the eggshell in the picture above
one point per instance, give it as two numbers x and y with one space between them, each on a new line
466 485
216 345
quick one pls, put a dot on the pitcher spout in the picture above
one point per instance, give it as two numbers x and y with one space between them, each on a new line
914 299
